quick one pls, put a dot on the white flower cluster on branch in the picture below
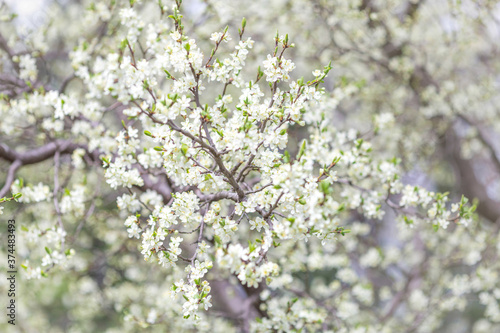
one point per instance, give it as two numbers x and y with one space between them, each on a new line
194 182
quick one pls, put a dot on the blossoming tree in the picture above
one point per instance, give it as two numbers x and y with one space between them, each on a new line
198 179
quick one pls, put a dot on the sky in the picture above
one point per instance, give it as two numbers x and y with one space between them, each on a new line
30 11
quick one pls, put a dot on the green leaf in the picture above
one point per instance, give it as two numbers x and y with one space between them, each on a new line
324 186
302 149
286 157
184 149
251 246
123 44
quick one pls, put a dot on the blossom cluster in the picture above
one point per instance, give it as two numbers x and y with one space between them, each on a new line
248 197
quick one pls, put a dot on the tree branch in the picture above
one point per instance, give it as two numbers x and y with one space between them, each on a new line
10 177
39 154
